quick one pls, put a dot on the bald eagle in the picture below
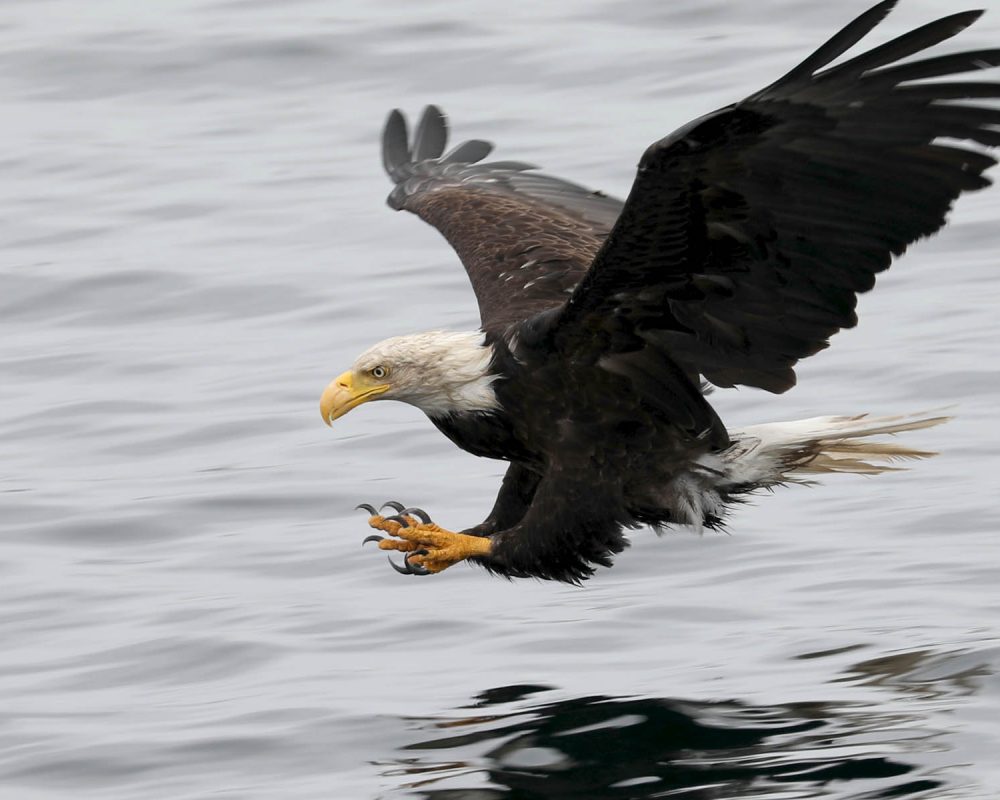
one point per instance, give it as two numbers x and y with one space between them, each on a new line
742 247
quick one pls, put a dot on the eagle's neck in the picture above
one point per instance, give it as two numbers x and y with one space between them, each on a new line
457 374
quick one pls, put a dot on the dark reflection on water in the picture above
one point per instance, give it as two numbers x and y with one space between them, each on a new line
613 748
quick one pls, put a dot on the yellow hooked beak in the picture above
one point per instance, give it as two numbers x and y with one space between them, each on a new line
342 395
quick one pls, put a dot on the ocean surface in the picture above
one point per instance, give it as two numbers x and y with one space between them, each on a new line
195 241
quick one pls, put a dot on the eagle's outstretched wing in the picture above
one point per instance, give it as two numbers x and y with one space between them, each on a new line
749 232
525 238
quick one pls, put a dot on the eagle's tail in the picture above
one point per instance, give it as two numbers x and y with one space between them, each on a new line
791 452
764 456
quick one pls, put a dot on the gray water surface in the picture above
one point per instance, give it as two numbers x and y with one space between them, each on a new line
195 242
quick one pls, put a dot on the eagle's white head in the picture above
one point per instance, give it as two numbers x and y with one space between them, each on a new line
439 372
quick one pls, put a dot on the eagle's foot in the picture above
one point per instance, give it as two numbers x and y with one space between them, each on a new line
429 548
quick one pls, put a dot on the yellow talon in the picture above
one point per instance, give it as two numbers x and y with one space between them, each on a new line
442 548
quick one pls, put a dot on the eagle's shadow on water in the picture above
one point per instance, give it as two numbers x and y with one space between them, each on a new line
608 748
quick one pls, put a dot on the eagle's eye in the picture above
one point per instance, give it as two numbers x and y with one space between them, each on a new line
379 372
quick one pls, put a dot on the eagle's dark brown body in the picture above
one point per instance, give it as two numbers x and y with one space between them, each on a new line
601 447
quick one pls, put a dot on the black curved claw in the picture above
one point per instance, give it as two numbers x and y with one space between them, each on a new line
400 519
373 538
408 568
366 507
418 512
395 505
416 569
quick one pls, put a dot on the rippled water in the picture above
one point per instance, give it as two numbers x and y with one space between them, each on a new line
195 242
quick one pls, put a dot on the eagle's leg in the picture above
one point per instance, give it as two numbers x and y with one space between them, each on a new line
429 548
513 500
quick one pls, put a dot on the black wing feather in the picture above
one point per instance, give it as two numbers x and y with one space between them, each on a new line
468 152
838 44
956 64
431 136
907 45
395 146
749 232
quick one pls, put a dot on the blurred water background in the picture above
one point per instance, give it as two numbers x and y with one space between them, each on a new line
195 242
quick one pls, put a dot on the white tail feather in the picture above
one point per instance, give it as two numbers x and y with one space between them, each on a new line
763 456
782 452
